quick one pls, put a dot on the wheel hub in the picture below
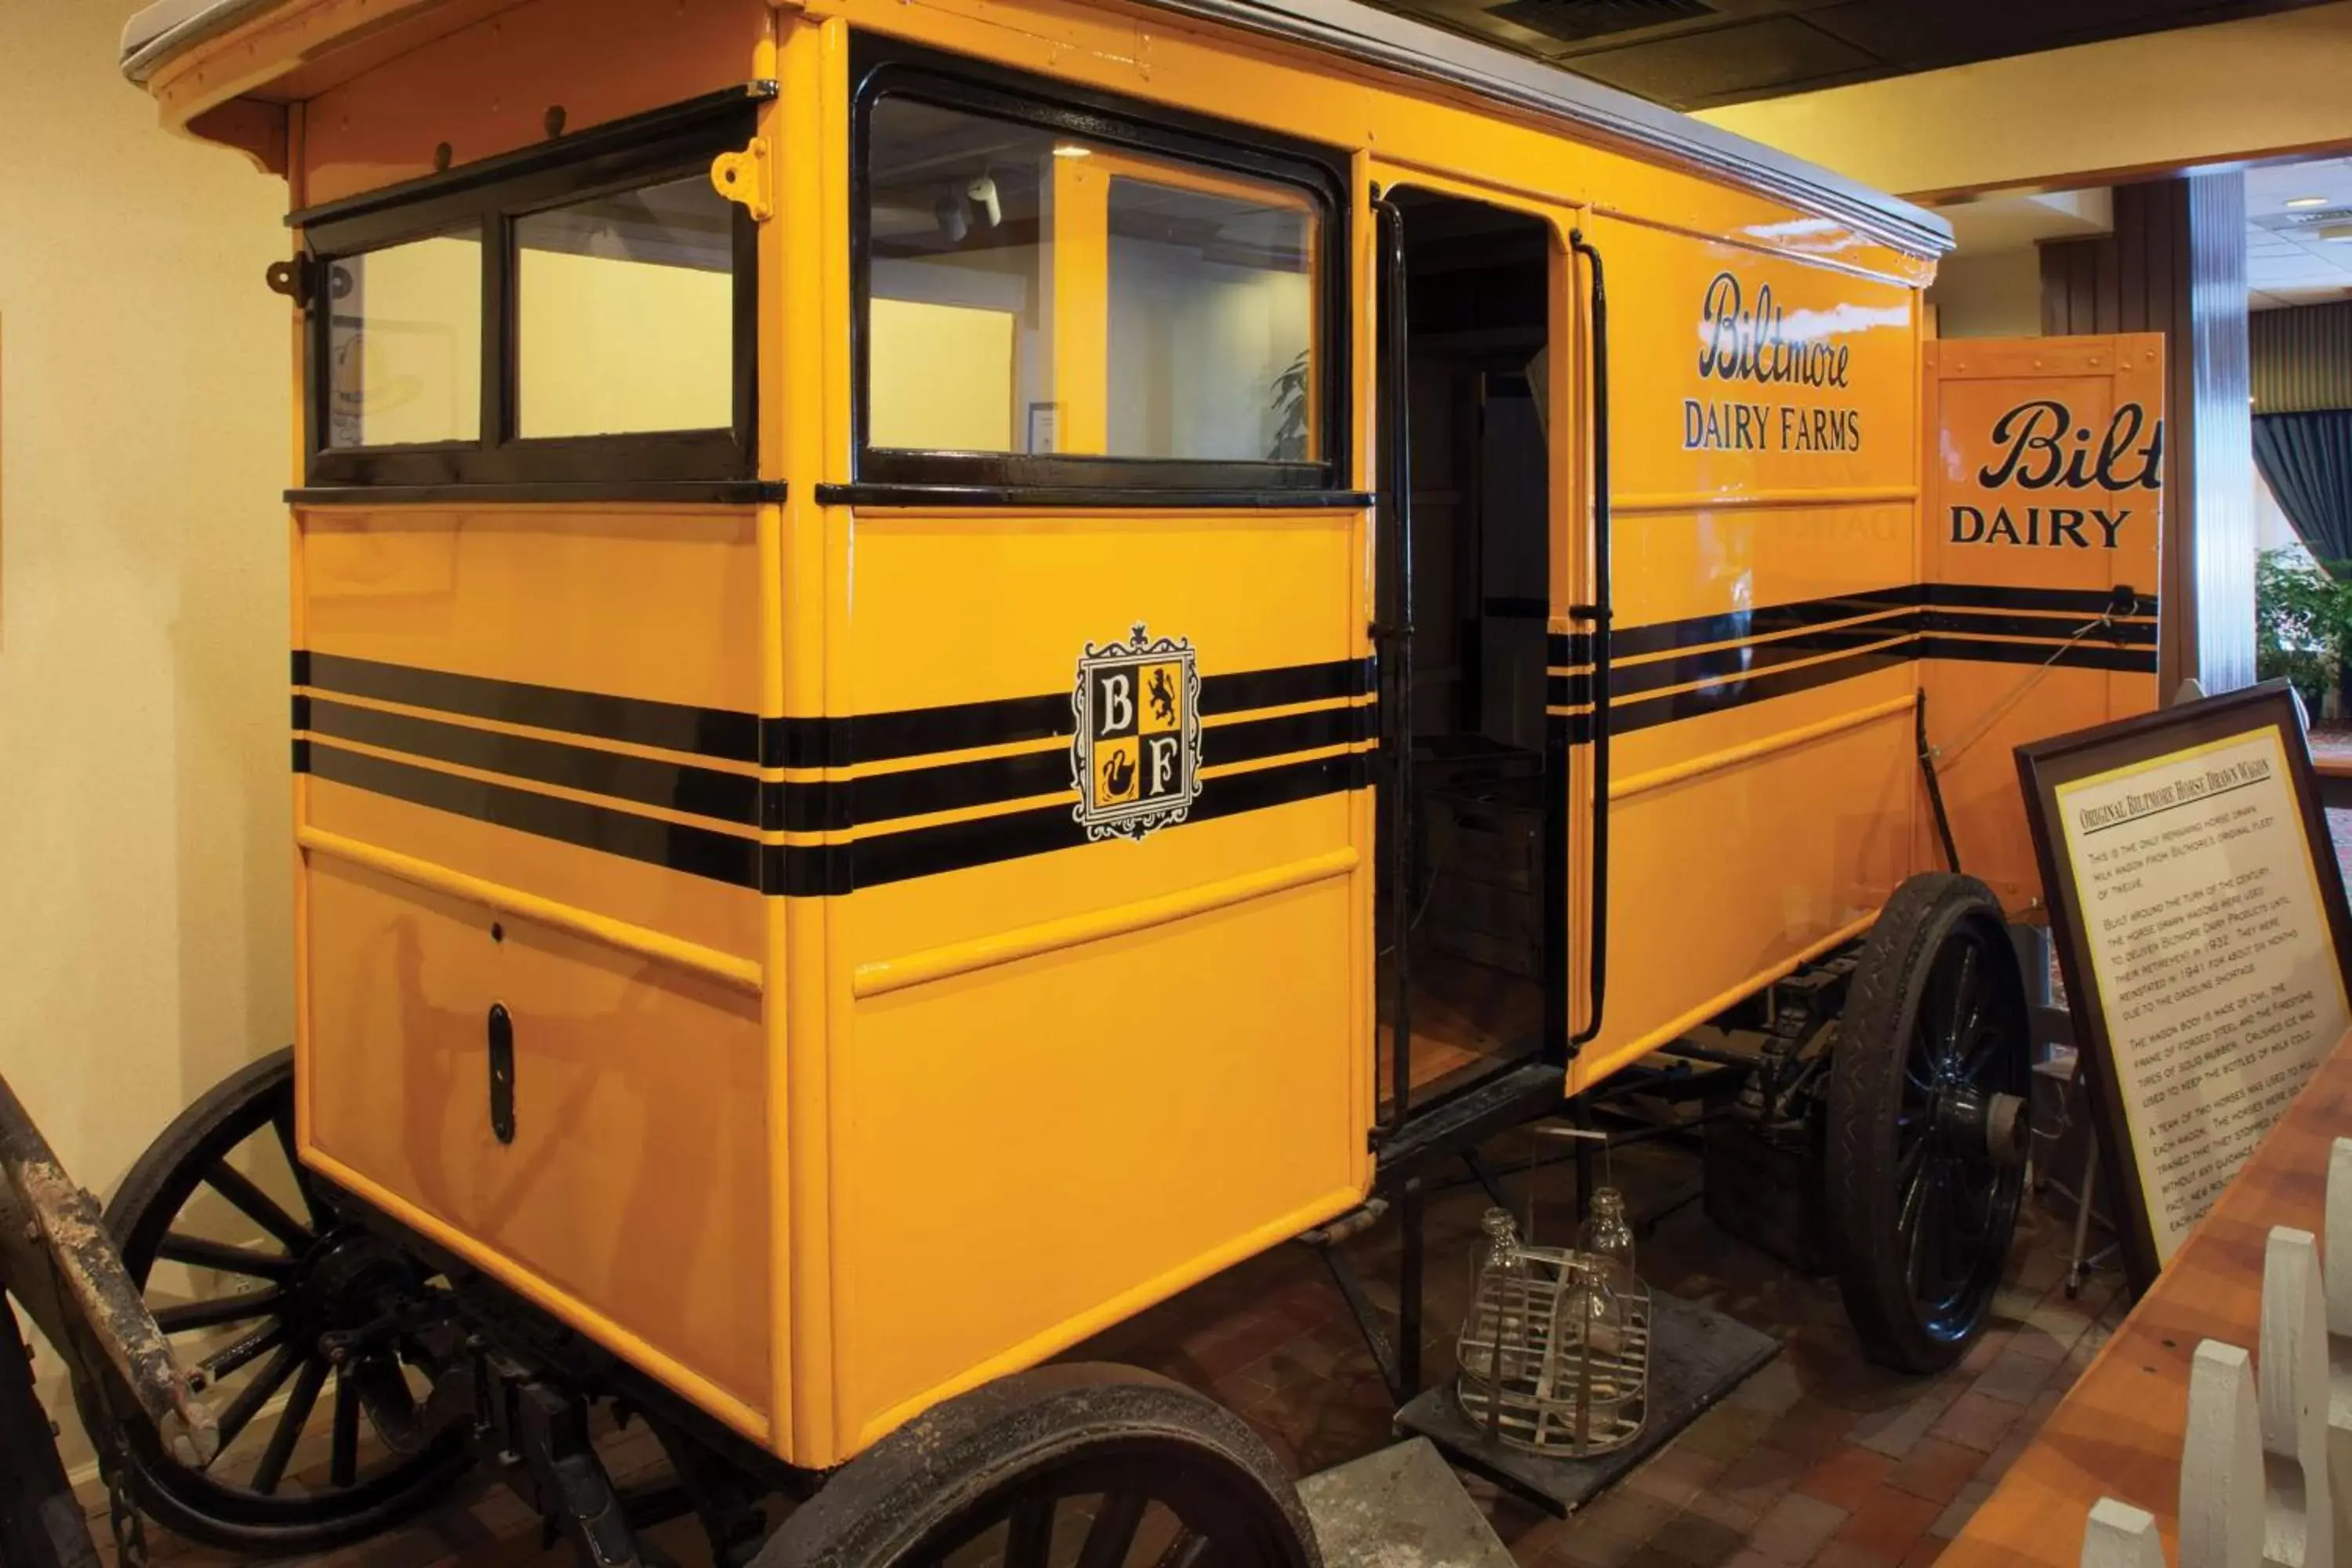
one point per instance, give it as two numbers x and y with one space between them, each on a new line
1985 1129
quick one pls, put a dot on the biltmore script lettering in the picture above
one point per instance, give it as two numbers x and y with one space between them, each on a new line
2038 446
1751 344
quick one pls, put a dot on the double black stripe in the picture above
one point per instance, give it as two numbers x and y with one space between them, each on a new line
799 871
702 792
701 851
670 726
747 802
1775 620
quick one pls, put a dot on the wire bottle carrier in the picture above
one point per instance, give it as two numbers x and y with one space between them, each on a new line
1554 1351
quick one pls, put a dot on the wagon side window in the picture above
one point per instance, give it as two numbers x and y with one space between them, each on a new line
626 309
404 344
1074 299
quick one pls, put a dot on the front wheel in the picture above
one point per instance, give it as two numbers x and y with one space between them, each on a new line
1929 1088
1094 1466
299 1325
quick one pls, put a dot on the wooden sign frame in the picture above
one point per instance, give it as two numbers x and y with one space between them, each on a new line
2045 767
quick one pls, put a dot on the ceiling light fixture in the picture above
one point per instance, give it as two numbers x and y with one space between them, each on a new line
2306 200
1070 149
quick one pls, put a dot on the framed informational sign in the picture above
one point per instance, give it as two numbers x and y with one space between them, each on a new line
2199 916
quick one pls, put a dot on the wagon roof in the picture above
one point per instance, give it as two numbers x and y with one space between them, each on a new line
1353 30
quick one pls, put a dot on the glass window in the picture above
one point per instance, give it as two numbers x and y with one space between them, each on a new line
1033 292
404 344
627 307
1212 319
958 337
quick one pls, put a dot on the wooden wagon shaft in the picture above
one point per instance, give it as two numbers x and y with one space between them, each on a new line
92 1296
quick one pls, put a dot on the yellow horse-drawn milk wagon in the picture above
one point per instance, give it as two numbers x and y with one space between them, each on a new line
955 661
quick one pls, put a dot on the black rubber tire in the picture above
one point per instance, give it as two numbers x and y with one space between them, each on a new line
960 1469
1863 1188
187 1501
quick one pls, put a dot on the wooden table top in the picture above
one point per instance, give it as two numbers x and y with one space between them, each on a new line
2118 1431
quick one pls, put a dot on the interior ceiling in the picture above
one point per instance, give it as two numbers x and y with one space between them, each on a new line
2290 257
1696 54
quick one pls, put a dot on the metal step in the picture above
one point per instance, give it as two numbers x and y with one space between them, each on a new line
1403 1507
1469 1118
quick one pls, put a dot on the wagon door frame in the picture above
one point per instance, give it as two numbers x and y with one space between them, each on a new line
1418 1099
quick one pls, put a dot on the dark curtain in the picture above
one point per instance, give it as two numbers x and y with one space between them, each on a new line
2306 459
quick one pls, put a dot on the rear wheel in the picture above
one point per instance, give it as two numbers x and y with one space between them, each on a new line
1929 1086
1094 1466
300 1326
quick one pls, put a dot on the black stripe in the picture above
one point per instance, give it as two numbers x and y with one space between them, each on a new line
1568 690
703 791
1566 650
951 786
705 731
1250 740
1752 659
959 846
2088 603
1643 713
301 711
1664 636
700 851
1246 689
2083 655
919 731
1987 623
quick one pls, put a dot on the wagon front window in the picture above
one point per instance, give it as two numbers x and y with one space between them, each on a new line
404 344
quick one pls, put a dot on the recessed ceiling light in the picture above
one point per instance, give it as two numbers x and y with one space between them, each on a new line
1071 150
2306 200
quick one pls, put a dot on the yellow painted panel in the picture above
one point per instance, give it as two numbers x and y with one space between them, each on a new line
645 603
2045 471
1679 565
692 909
485 88
930 584
1031 1151
1730 874
942 376
1739 374
637 1182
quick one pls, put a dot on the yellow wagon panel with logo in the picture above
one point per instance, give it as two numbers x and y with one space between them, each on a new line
1765 444
1130 876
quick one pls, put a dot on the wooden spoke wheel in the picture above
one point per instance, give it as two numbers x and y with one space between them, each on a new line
1065 1467
301 1327
1929 1090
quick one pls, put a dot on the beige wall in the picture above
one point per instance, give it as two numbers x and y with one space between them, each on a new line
144 888
2259 87
1995 295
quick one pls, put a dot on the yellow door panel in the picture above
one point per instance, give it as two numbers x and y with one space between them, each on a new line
1030 1151
633 1195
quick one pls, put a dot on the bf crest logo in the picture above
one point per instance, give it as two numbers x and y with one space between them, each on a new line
1136 758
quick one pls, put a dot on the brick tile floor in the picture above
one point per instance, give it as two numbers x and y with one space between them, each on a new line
1820 1460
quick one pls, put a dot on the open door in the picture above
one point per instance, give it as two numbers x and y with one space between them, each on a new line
2042 516
1469 919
